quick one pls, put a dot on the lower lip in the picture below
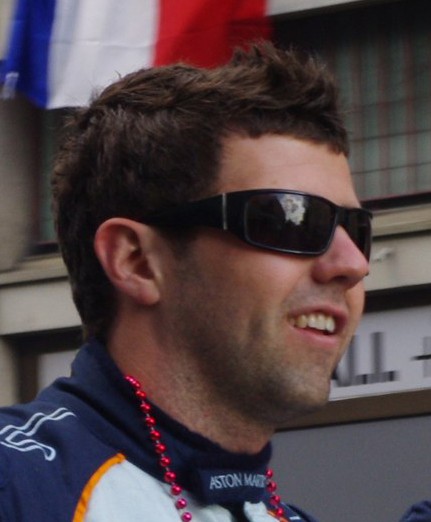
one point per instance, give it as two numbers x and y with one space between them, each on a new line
317 337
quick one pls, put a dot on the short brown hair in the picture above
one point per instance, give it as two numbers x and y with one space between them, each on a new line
154 138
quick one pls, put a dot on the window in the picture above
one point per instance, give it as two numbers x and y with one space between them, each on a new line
381 56
41 357
50 124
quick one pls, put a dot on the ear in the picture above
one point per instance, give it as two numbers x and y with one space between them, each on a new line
127 252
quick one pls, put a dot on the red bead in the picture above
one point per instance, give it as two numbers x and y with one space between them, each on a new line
271 486
275 500
159 448
140 394
145 407
154 435
186 517
170 477
175 489
150 421
164 462
279 512
269 473
181 503
133 382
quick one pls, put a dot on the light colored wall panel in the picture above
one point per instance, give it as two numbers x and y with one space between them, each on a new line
38 306
400 261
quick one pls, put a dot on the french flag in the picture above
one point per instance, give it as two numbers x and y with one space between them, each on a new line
61 51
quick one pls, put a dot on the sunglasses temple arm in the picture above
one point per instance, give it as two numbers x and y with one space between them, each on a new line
224 211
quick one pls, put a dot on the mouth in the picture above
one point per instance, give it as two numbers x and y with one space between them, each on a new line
323 323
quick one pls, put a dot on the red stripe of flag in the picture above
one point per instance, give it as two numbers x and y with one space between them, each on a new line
203 32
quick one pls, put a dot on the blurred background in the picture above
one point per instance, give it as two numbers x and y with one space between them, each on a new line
366 457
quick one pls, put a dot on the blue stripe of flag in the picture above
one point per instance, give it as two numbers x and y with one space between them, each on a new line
28 48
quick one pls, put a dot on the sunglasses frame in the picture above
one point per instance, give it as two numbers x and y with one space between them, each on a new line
226 211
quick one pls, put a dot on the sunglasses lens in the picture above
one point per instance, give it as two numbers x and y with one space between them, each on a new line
358 226
293 223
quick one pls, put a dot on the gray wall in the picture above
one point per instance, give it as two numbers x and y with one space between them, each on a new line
364 472
18 142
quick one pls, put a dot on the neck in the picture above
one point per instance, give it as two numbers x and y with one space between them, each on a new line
213 420
177 388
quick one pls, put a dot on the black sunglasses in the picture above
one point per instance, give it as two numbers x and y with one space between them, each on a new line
282 220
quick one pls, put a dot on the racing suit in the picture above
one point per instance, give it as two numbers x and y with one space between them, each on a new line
80 452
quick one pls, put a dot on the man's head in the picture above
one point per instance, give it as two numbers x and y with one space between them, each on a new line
155 139
188 273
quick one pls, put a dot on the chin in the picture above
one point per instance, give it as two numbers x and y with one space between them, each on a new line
291 408
310 399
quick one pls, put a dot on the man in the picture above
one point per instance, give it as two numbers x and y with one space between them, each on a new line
216 251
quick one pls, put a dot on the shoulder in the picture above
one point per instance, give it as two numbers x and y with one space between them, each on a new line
46 457
23 427
420 512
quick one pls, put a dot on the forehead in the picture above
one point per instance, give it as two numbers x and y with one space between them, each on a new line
274 161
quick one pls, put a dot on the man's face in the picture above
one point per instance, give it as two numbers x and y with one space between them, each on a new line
247 314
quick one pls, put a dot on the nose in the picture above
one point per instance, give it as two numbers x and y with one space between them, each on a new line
342 262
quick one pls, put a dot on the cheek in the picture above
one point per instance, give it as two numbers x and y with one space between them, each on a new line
265 274
355 300
246 278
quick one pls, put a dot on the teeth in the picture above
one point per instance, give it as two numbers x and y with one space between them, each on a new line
302 321
330 324
317 321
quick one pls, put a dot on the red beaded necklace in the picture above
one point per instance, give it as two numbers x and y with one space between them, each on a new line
164 461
